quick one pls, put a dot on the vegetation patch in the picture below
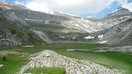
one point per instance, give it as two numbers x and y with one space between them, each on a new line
12 64
46 70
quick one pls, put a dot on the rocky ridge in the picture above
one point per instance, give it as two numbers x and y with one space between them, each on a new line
48 58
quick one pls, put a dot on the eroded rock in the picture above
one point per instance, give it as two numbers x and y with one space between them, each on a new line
48 58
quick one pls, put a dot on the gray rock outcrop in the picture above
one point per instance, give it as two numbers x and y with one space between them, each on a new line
7 38
48 58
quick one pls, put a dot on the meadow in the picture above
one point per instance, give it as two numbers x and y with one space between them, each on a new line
113 60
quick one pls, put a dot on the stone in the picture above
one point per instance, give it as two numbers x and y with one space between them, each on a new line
1 65
48 58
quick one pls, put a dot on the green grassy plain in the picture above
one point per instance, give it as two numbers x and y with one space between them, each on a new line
118 60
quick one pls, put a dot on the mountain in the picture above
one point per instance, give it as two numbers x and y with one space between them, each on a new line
63 27
116 28
14 32
51 27
48 27
119 12
120 33
118 16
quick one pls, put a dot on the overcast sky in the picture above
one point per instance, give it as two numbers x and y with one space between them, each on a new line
84 8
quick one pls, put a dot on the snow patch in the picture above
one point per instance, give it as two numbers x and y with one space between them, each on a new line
100 37
89 37
103 42
63 13
33 20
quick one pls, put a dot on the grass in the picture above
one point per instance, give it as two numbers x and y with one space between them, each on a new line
122 61
56 47
46 70
12 64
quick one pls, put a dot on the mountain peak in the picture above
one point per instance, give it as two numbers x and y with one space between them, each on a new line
128 6
120 11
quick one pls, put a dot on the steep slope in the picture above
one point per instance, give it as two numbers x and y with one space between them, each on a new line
119 12
54 27
110 20
115 28
120 33
120 27
116 17
13 33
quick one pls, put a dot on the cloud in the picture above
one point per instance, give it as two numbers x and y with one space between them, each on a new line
17 2
128 6
76 7
22 2
122 1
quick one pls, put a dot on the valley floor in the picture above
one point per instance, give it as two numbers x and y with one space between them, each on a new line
83 51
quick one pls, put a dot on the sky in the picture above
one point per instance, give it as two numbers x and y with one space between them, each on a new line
83 8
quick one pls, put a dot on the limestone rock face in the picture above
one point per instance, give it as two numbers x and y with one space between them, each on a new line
7 38
48 58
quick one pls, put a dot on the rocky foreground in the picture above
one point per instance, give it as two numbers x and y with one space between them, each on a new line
48 58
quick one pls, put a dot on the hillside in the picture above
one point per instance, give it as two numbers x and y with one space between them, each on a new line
12 33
